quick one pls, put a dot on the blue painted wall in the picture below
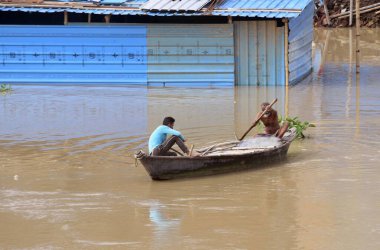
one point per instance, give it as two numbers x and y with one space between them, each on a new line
259 53
73 54
246 53
300 45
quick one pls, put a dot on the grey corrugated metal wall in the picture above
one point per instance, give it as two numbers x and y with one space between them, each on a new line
300 44
259 53
190 53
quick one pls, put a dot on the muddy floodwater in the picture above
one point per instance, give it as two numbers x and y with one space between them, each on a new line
68 178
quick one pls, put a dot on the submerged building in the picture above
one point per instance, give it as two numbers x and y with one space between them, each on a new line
148 42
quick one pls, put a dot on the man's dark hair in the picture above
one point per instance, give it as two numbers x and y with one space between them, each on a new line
168 120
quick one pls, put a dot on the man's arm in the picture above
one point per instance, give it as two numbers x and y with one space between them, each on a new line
174 132
257 120
275 116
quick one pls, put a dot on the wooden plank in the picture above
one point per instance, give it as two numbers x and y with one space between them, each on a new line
326 12
354 11
21 1
364 11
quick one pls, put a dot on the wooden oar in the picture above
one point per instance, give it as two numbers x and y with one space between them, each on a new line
191 150
176 151
258 119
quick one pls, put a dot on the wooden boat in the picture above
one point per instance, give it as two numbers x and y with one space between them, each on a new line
220 158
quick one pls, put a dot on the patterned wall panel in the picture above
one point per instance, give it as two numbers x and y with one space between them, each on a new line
190 53
69 54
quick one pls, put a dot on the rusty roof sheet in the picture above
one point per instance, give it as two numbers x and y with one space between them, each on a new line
174 5
274 5
274 9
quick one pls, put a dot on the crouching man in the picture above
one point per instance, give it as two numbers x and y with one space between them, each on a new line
159 144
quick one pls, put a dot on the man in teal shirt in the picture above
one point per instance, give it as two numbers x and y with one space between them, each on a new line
159 144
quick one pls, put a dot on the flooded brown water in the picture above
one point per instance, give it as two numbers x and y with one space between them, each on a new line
68 179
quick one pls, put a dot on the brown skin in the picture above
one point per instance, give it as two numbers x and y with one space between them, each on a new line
269 119
283 130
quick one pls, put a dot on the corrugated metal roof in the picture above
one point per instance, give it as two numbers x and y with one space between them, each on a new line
112 2
243 8
263 4
261 8
174 5
259 14
75 10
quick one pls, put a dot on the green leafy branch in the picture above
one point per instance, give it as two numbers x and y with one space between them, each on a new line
297 124
5 88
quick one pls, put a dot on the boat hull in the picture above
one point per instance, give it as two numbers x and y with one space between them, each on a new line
166 167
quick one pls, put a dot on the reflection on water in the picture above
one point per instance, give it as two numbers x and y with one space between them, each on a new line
44 114
68 178
165 226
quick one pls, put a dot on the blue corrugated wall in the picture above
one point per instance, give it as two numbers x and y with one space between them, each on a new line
190 54
300 45
73 54
175 54
259 53
246 53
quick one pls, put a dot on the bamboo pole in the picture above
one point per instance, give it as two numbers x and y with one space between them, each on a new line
357 106
349 81
107 18
357 36
351 6
65 18
286 101
286 44
354 11
286 51
326 12
364 11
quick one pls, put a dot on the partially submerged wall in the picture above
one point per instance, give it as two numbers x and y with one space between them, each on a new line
300 45
259 53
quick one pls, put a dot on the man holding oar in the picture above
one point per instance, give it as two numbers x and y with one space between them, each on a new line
268 116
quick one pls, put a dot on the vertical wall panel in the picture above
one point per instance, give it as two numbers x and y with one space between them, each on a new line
253 51
271 53
188 53
300 44
262 54
73 54
280 50
263 62
241 49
